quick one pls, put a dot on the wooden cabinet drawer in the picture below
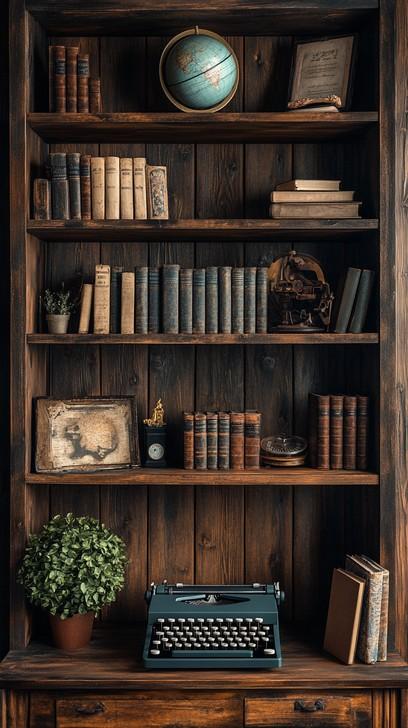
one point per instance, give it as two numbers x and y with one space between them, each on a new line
156 712
309 710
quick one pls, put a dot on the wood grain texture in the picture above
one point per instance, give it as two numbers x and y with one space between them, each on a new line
203 339
345 711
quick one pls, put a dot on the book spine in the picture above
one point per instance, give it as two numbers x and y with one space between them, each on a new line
364 290
95 98
347 300
83 83
323 432
362 433
154 301
199 301
262 300
59 186
188 418
200 441
102 299
142 299
112 188
223 441
85 312
42 199
237 296
367 646
250 300
383 635
211 300
252 440
157 198
312 426
212 440
74 184
237 440
186 301
127 313
350 433
59 69
225 299
72 85
171 299
336 432
126 188
115 298
139 188
51 92
98 187
85 173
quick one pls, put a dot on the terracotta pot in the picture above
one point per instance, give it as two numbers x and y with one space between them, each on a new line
72 633
58 322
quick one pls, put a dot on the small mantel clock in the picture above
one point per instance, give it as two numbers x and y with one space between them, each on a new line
155 438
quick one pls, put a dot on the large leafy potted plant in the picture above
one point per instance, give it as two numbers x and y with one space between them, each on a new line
71 569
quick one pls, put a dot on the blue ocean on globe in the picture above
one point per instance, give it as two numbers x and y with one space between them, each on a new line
200 71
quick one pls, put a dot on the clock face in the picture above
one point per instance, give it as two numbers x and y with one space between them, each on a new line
156 451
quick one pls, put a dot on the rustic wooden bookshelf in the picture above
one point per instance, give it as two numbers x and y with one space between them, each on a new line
293 525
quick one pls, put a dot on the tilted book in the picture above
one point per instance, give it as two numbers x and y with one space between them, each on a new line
344 615
367 647
85 310
362 299
383 636
346 300
102 299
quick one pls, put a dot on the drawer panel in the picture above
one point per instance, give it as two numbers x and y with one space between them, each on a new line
309 710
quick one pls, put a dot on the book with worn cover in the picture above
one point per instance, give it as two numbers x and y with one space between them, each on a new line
212 440
362 432
42 199
237 440
171 275
383 636
346 300
252 445
261 300
200 441
127 314
126 188
95 98
211 300
307 185
350 432
199 301
367 646
85 310
59 99
83 83
223 440
112 188
59 186
74 184
362 299
344 615
85 173
323 431
156 187
102 299
98 187
237 300
186 300
250 300
154 300
312 196
115 298
225 299
139 188
188 418
315 210
72 78
141 300
336 431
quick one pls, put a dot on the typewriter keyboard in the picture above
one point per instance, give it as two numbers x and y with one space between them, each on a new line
211 637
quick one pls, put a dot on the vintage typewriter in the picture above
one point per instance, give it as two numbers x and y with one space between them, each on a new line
212 626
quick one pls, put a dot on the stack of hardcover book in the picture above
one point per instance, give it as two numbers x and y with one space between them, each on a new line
70 87
313 198
352 303
338 431
222 440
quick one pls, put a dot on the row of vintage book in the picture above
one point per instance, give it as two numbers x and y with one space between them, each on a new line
313 198
222 440
351 306
70 87
82 187
338 431
357 620
175 300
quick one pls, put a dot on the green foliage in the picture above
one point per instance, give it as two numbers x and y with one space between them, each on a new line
73 566
58 302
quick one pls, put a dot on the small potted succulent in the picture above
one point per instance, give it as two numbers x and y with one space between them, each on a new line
58 307
71 569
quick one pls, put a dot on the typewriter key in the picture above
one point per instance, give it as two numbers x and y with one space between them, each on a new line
252 645
210 620
155 652
248 620
219 620
161 620
181 620
200 620
233 645
156 642
171 620
224 645
259 620
269 651
229 620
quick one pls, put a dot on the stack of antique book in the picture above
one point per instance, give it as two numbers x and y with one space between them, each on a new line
313 198
338 431
70 87
222 440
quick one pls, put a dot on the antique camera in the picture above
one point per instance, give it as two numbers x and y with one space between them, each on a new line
301 295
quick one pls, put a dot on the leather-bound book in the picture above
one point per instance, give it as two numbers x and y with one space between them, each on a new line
59 186
211 300
199 301
171 275
336 431
212 440
362 433
250 300
188 418
262 300
252 440
367 646
237 440
225 299
200 441
85 173
139 188
156 187
59 71
98 187
237 300
74 184
344 615
223 441
85 310
315 210
186 301
112 188
154 301
72 78
363 295
127 313
312 426
42 199
323 432
141 299
350 433
346 301
102 299
115 298
95 99
83 83
126 188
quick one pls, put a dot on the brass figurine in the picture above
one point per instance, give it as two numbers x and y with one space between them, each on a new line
157 418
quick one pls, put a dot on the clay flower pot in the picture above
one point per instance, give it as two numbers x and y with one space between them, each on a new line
72 633
58 323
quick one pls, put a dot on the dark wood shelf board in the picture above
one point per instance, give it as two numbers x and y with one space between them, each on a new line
189 127
203 230
179 476
112 661
201 339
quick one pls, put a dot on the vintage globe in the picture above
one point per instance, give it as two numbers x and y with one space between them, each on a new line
199 71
